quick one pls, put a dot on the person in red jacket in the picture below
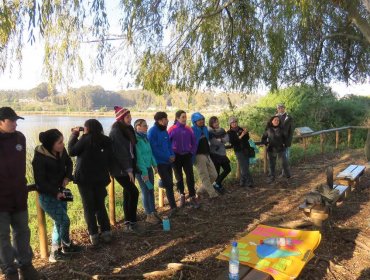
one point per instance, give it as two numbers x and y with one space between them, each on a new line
13 201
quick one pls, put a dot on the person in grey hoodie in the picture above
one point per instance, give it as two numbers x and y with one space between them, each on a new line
218 138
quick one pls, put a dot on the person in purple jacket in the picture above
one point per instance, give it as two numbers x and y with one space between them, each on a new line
184 146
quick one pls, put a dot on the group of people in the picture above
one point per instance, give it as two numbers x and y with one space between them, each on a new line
131 153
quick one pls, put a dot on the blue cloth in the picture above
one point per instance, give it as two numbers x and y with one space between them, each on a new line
161 145
147 195
57 210
199 130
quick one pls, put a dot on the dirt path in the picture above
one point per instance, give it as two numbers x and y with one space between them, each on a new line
198 236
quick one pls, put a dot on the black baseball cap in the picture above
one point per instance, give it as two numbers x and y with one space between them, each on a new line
8 113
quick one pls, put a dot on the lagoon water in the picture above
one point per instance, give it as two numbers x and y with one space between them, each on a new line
32 125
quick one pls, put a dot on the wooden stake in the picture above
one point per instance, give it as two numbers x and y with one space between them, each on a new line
43 236
160 197
237 175
322 142
265 160
349 137
112 202
336 140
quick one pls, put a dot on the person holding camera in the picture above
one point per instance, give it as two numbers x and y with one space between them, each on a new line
94 154
124 141
239 140
52 170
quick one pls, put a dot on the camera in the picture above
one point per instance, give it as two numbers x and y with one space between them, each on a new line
81 128
68 196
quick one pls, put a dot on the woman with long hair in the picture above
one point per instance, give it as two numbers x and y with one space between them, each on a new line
184 146
217 139
52 169
124 142
94 155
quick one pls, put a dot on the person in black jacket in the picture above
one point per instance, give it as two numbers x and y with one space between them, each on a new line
239 140
94 154
286 122
276 140
124 142
52 170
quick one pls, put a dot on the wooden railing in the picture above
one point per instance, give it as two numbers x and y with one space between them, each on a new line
111 188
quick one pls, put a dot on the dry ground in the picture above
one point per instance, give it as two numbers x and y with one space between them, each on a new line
198 236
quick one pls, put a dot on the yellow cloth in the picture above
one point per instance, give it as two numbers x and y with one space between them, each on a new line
280 262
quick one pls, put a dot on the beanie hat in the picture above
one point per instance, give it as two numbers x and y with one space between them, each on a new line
232 119
160 115
120 112
49 137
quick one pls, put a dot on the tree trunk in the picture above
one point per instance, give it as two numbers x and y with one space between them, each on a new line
367 146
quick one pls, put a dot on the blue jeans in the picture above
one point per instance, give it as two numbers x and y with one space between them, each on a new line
19 249
147 195
57 210
245 176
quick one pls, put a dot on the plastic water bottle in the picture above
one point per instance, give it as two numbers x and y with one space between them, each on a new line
234 262
278 241
166 223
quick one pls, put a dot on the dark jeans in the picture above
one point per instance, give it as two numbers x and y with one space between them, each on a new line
19 249
184 162
284 162
130 198
165 172
226 169
146 194
93 198
245 175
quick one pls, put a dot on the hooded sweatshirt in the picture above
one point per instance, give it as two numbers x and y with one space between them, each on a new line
49 171
145 157
182 139
201 134
13 190
218 138
160 144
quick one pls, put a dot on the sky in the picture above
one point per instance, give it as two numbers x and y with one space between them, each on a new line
31 72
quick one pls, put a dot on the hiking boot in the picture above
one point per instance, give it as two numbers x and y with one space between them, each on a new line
28 272
57 256
72 248
94 239
12 276
218 188
152 219
194 202
106 236
182 201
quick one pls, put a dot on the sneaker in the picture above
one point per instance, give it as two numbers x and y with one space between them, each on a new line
106 236
182 200
29 272
270 180
13 276
57 256
94 239
194 202
72 248
217 188
152 219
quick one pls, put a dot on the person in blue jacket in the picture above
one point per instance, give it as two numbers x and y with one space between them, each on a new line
203 162
163 154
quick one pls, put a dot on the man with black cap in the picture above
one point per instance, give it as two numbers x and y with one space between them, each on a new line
13 201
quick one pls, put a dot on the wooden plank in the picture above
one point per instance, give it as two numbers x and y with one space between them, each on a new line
243 270
346 172
351 172
342 191
358 171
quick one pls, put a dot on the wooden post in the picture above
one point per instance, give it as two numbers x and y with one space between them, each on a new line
265 160
337 140
43 236
237 175
304 147
349 137
160 197
112 202
322 142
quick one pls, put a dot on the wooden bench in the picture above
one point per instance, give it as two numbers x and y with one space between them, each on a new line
246 273
351 176
319 213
